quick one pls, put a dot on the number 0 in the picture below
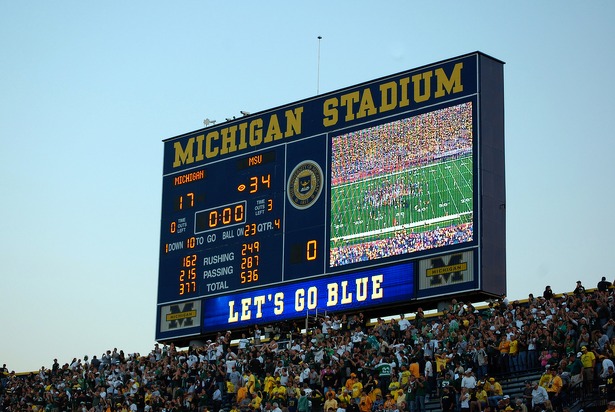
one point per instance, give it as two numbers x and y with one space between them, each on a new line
310 252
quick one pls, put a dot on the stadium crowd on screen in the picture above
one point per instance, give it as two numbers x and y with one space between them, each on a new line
346 363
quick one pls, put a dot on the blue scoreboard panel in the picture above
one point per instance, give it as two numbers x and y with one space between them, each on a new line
364 197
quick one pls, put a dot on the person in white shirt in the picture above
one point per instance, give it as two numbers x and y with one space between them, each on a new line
539 395
304 375
244 342
606 364
403 323
468 380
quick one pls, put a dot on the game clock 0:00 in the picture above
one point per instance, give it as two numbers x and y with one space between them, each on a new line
220 217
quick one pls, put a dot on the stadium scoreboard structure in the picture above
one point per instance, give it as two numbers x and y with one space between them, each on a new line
370 197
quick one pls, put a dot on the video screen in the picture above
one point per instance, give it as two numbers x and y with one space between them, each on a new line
402 187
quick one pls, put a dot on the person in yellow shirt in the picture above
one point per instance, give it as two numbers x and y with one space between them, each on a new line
394 387
390 404
148 396
344 396
374 393
250 382
554 388
504 349
230 387
350 381
545 378
278 393
365 402
480 395
357 388
268 383
331 402
256 401
242 393
494 392
414 368
513 352
588 359
404 376
441 361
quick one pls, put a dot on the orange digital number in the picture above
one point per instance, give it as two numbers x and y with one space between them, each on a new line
248 276
266 180
311 248
249 229
253 184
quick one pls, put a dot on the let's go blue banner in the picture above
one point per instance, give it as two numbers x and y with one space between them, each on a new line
347 292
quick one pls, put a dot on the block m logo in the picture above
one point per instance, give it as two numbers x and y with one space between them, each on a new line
442 272
181 317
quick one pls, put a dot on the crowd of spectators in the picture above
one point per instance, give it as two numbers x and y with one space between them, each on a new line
346 363
403 241
402 144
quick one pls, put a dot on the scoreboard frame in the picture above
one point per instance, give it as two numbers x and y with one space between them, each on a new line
251 208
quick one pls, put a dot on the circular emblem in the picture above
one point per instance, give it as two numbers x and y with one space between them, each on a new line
304 184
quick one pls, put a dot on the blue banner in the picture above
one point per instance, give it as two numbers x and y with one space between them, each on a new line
347 292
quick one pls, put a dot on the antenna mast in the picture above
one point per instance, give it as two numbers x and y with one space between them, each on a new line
318 68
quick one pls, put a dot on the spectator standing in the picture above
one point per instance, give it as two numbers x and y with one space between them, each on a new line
430 376
447 400
588 359
422 389
331 402
403 323
527 395
365 402
504 349
469 380
464 399
303 403
539 396
575 368
554 388
604 284
579 288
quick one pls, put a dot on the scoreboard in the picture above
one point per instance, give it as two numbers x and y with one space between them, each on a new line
369 196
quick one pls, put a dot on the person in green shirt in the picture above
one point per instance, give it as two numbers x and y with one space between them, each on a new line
303 404
575 369
383 369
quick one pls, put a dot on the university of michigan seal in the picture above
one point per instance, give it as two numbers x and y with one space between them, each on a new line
305 184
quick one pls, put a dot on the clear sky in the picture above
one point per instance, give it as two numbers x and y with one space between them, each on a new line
88 91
